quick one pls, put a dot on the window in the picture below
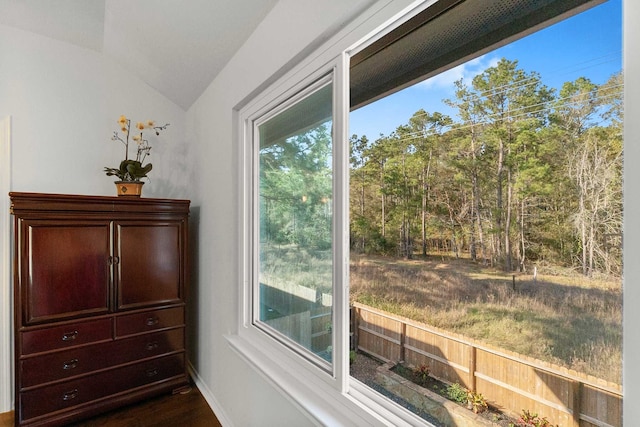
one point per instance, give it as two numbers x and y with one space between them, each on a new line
295 166
295 265
469 217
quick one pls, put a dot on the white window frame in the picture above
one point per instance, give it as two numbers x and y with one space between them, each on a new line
307 383
252 141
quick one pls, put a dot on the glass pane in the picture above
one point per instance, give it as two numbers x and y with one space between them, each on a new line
486 229
295 222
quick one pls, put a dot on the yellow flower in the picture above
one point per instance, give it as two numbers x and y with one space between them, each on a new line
122 120
140 125
124 129
137 138
150 123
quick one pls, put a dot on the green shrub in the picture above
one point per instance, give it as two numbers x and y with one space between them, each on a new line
457 393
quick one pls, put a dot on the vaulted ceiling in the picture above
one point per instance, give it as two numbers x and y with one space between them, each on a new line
176 46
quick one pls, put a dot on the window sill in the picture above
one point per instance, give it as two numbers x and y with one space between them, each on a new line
319 400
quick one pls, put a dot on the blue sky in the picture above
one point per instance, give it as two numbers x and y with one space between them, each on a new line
586 45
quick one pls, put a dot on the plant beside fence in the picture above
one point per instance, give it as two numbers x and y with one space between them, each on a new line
511 382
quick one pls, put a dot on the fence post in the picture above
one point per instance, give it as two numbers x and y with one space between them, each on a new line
354 315
403 334
575 399
472 368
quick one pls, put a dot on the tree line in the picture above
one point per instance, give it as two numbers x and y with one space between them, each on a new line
524 173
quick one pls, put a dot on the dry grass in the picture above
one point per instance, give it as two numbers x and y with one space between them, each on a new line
564 319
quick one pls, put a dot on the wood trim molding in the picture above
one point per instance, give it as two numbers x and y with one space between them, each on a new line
6 321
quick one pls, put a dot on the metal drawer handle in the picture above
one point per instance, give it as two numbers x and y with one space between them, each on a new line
70 364
152 345
70 336
70 395
152 321
151 372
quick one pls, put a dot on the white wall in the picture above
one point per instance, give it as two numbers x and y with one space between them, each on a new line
65 102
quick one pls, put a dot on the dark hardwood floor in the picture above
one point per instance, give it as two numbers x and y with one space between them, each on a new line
182 410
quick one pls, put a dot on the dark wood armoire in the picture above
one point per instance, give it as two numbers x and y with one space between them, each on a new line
99 303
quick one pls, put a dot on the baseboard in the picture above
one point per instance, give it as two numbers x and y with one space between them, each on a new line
209 397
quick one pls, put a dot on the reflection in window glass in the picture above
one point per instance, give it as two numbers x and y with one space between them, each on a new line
295 211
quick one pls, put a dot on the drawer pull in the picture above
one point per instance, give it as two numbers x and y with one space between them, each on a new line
151 372
70 364
152 321
70 336
152 345
70 395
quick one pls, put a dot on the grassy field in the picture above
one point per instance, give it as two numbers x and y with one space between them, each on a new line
561 317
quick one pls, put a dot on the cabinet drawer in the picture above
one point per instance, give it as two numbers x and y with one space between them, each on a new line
68 335
70 363
149 320
71 393
149 345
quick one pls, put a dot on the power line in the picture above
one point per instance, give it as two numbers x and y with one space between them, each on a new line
523 83
549 106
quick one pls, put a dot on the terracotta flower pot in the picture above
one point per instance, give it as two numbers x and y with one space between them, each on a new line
129 189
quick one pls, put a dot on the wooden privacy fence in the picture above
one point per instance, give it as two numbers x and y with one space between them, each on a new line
301 313
509 381
311 328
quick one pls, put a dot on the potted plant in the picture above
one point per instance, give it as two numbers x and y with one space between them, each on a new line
130 172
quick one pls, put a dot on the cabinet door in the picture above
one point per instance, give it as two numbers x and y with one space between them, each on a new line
64 270
150 264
